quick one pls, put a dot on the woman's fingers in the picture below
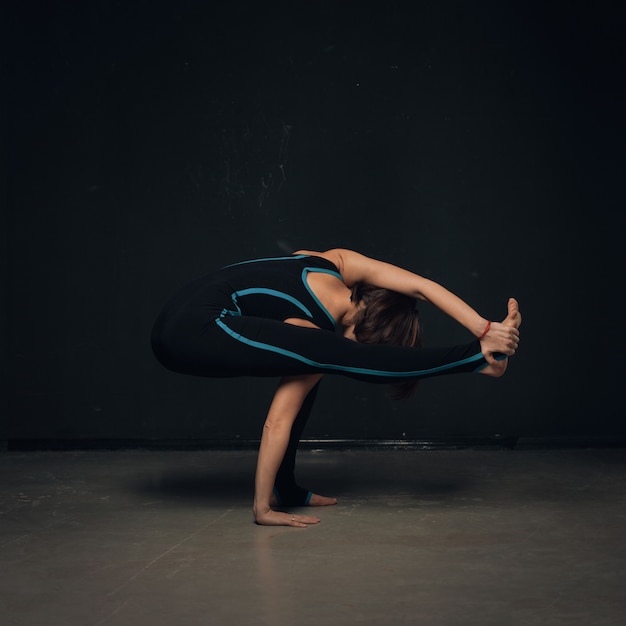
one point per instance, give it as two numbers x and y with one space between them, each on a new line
297 521
304 520
505 338
502 338
512 339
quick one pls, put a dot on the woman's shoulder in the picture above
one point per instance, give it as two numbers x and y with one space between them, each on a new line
334 256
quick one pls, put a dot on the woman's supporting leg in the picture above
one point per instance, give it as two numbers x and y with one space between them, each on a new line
286 404
286 490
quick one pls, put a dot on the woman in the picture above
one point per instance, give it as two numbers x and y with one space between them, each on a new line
310 314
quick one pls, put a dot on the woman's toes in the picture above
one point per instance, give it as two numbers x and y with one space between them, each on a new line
317 500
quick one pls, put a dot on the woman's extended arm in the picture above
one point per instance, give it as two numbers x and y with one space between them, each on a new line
355 267
285 405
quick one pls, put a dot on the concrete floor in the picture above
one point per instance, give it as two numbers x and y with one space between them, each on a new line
437 538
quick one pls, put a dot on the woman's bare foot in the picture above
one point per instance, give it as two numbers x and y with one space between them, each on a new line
317 500
314 500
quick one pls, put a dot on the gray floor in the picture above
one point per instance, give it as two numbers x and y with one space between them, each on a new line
454 537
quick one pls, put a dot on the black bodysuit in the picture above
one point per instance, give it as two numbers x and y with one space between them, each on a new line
230 323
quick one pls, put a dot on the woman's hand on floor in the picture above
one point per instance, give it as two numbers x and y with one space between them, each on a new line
276 518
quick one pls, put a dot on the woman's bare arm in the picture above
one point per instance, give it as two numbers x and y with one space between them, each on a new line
355 267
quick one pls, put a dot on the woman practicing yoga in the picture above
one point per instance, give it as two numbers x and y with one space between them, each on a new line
314 313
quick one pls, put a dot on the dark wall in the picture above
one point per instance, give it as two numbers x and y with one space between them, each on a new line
5 387
480 144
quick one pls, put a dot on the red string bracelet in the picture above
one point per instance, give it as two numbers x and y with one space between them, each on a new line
485 331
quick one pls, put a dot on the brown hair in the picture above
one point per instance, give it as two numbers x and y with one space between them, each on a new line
387 317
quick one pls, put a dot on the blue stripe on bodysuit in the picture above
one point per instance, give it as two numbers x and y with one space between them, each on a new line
319 270
279 294
341 368
276 294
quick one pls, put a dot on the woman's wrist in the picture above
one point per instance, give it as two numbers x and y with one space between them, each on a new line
480 327
485 330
